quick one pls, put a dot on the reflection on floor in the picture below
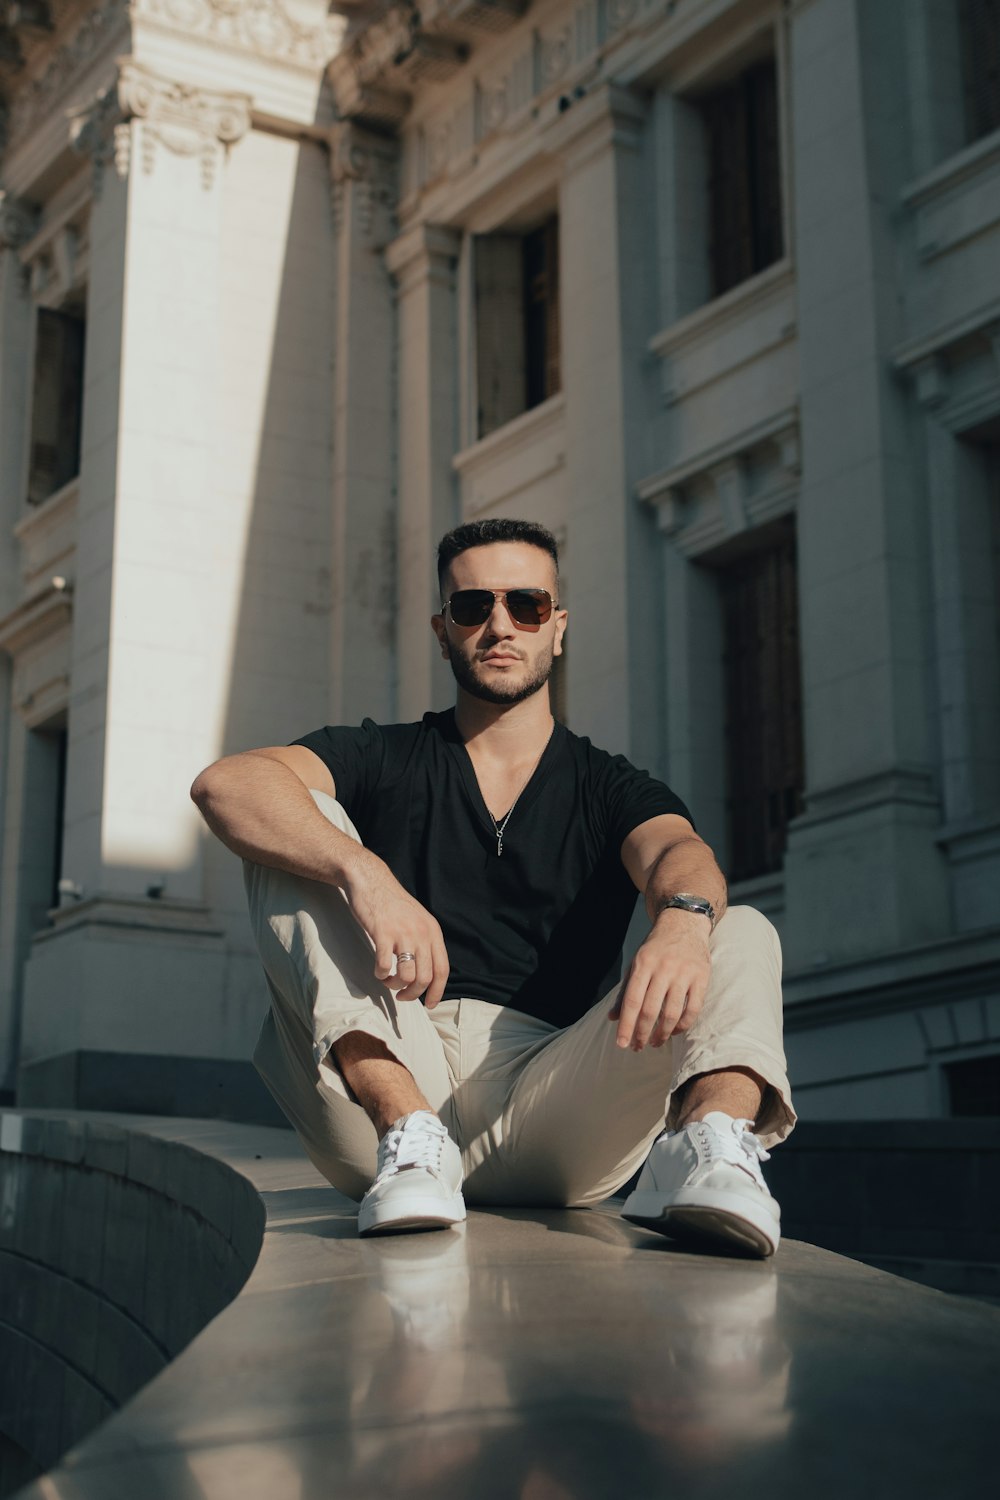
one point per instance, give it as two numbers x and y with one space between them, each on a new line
533 1355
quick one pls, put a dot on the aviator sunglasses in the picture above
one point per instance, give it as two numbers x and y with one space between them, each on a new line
527 607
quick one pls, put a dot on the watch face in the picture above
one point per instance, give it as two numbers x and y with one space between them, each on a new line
697 904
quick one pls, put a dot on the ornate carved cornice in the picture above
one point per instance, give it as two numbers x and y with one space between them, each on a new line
372 76
185 120
263 27
18 221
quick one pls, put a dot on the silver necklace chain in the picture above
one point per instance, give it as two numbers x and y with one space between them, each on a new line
498 828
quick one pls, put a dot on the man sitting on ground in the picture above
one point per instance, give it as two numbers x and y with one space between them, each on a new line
440 910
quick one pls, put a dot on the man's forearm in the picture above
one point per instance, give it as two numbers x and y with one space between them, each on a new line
263 812
689 866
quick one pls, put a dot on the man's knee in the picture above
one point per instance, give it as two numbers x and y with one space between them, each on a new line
748 925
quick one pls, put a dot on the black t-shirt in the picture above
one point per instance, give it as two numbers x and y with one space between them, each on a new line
540 927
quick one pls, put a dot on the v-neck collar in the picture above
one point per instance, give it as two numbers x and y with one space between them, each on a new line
470 781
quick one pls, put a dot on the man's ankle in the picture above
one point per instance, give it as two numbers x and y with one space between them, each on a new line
383 1086
736 1092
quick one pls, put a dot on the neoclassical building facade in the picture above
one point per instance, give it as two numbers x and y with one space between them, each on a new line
709 287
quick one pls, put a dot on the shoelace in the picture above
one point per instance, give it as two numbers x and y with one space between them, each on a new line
419 1146
743 1150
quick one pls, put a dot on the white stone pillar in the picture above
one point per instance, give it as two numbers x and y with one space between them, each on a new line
863 870
423 261
364 169
159 570
606 238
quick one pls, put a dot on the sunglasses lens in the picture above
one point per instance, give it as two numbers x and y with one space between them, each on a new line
529 606
526 606
470 606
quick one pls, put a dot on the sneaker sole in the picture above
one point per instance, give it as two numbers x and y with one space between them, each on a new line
405 1217
705 1224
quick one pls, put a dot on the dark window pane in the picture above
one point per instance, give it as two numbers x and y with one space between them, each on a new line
57 403
763 704
974 1086
744 185
500 371
541 314
980 29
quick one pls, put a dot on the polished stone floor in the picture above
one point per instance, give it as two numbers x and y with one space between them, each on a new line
548 1356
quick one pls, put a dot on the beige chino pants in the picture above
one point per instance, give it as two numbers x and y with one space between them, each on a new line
543 1116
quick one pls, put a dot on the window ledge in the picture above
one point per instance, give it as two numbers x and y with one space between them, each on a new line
765 892
513 434
956 169
707 321
978 838
48 512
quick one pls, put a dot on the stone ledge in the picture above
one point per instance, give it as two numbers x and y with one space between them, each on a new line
559 1352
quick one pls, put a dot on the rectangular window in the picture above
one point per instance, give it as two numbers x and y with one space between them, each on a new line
541 314
974 1086
744 176
979 25
763 694
517 323
57 403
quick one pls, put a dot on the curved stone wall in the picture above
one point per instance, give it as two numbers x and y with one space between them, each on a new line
116 1248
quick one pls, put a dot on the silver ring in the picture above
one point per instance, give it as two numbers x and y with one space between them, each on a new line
405 958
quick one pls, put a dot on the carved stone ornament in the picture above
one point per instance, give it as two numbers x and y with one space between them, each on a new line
18 221
263 27
368 167
621 13
185 120
395 42
38 98
97 130
379 107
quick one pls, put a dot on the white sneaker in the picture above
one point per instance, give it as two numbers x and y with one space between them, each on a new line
418 1184
703 1184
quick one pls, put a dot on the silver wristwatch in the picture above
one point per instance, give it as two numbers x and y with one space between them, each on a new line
686 902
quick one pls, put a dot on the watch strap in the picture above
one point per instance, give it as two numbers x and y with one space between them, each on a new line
687 901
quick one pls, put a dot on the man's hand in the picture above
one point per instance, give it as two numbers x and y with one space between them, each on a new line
666 982
396 924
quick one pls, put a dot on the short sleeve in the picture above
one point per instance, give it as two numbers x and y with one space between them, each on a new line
632 797
354 757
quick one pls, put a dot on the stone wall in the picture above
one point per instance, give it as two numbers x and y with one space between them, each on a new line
115 1250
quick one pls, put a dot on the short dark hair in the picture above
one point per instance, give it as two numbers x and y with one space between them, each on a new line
493 529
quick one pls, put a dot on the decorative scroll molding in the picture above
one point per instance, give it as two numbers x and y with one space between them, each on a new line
263 27
186 121
367 167
18 221
98 130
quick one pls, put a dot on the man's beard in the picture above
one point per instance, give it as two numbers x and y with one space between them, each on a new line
499 692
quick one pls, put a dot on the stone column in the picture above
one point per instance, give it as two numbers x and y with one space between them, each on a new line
863 871
364 169
17 223
423 261
159 570
606 238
